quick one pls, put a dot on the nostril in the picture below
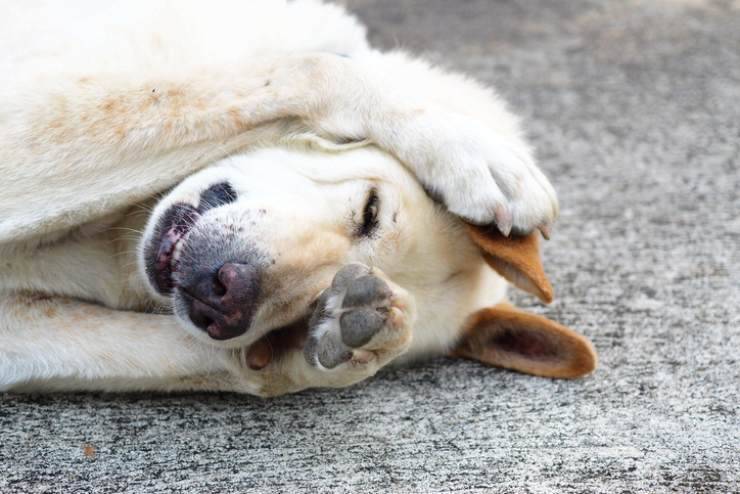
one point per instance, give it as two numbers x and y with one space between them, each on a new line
218 288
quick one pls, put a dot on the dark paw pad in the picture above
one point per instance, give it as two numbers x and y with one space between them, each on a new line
359 326
366 290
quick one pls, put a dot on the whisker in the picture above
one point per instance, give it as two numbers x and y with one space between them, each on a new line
125 229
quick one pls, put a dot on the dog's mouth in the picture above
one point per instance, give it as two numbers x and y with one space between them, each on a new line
170 234
176 223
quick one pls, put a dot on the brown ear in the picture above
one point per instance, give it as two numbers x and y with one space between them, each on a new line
516 258
503 336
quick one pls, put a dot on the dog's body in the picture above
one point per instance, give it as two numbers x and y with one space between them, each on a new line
263 254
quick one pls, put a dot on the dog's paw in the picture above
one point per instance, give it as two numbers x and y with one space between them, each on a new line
482 176
360 323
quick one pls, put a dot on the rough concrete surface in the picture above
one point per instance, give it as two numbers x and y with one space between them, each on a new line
634 108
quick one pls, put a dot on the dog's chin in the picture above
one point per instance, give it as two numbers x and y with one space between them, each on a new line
241 341
180 311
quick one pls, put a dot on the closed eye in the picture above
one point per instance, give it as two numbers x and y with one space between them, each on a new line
370 214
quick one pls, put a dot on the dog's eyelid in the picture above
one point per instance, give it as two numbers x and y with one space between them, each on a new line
372 198
369 220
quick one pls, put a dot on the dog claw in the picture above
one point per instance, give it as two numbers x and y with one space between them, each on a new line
504 219
546 230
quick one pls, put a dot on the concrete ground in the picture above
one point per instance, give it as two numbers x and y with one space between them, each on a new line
635 111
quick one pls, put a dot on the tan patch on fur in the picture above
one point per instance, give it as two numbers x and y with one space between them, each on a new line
111 106
55 128
312 251
175 92
148 102
176 100
199 104
237 120
301 265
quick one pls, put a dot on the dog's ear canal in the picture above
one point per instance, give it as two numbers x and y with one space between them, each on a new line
516 258
506 337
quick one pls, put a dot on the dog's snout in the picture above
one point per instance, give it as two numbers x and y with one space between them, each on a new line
222 303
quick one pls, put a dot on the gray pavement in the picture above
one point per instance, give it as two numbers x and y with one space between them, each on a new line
634 108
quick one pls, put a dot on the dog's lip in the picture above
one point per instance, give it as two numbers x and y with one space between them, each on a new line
176 224
164 263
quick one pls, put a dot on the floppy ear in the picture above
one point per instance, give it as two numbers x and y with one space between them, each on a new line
516 258
503 336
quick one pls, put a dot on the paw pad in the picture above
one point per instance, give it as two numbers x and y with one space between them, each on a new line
348 315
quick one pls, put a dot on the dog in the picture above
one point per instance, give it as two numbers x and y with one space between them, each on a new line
245 196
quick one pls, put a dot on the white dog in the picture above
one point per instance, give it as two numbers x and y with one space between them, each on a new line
238 196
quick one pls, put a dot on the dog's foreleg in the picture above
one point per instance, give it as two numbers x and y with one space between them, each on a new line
456 135
60 344
74 148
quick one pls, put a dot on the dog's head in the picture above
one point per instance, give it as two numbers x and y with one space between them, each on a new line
246 246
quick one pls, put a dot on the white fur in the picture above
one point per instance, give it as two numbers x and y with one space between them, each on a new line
106 106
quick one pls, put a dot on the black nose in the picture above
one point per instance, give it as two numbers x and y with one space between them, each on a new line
223 302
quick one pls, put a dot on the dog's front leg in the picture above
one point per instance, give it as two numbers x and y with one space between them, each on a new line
456 135
59 344
75 147
360 324
53 343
